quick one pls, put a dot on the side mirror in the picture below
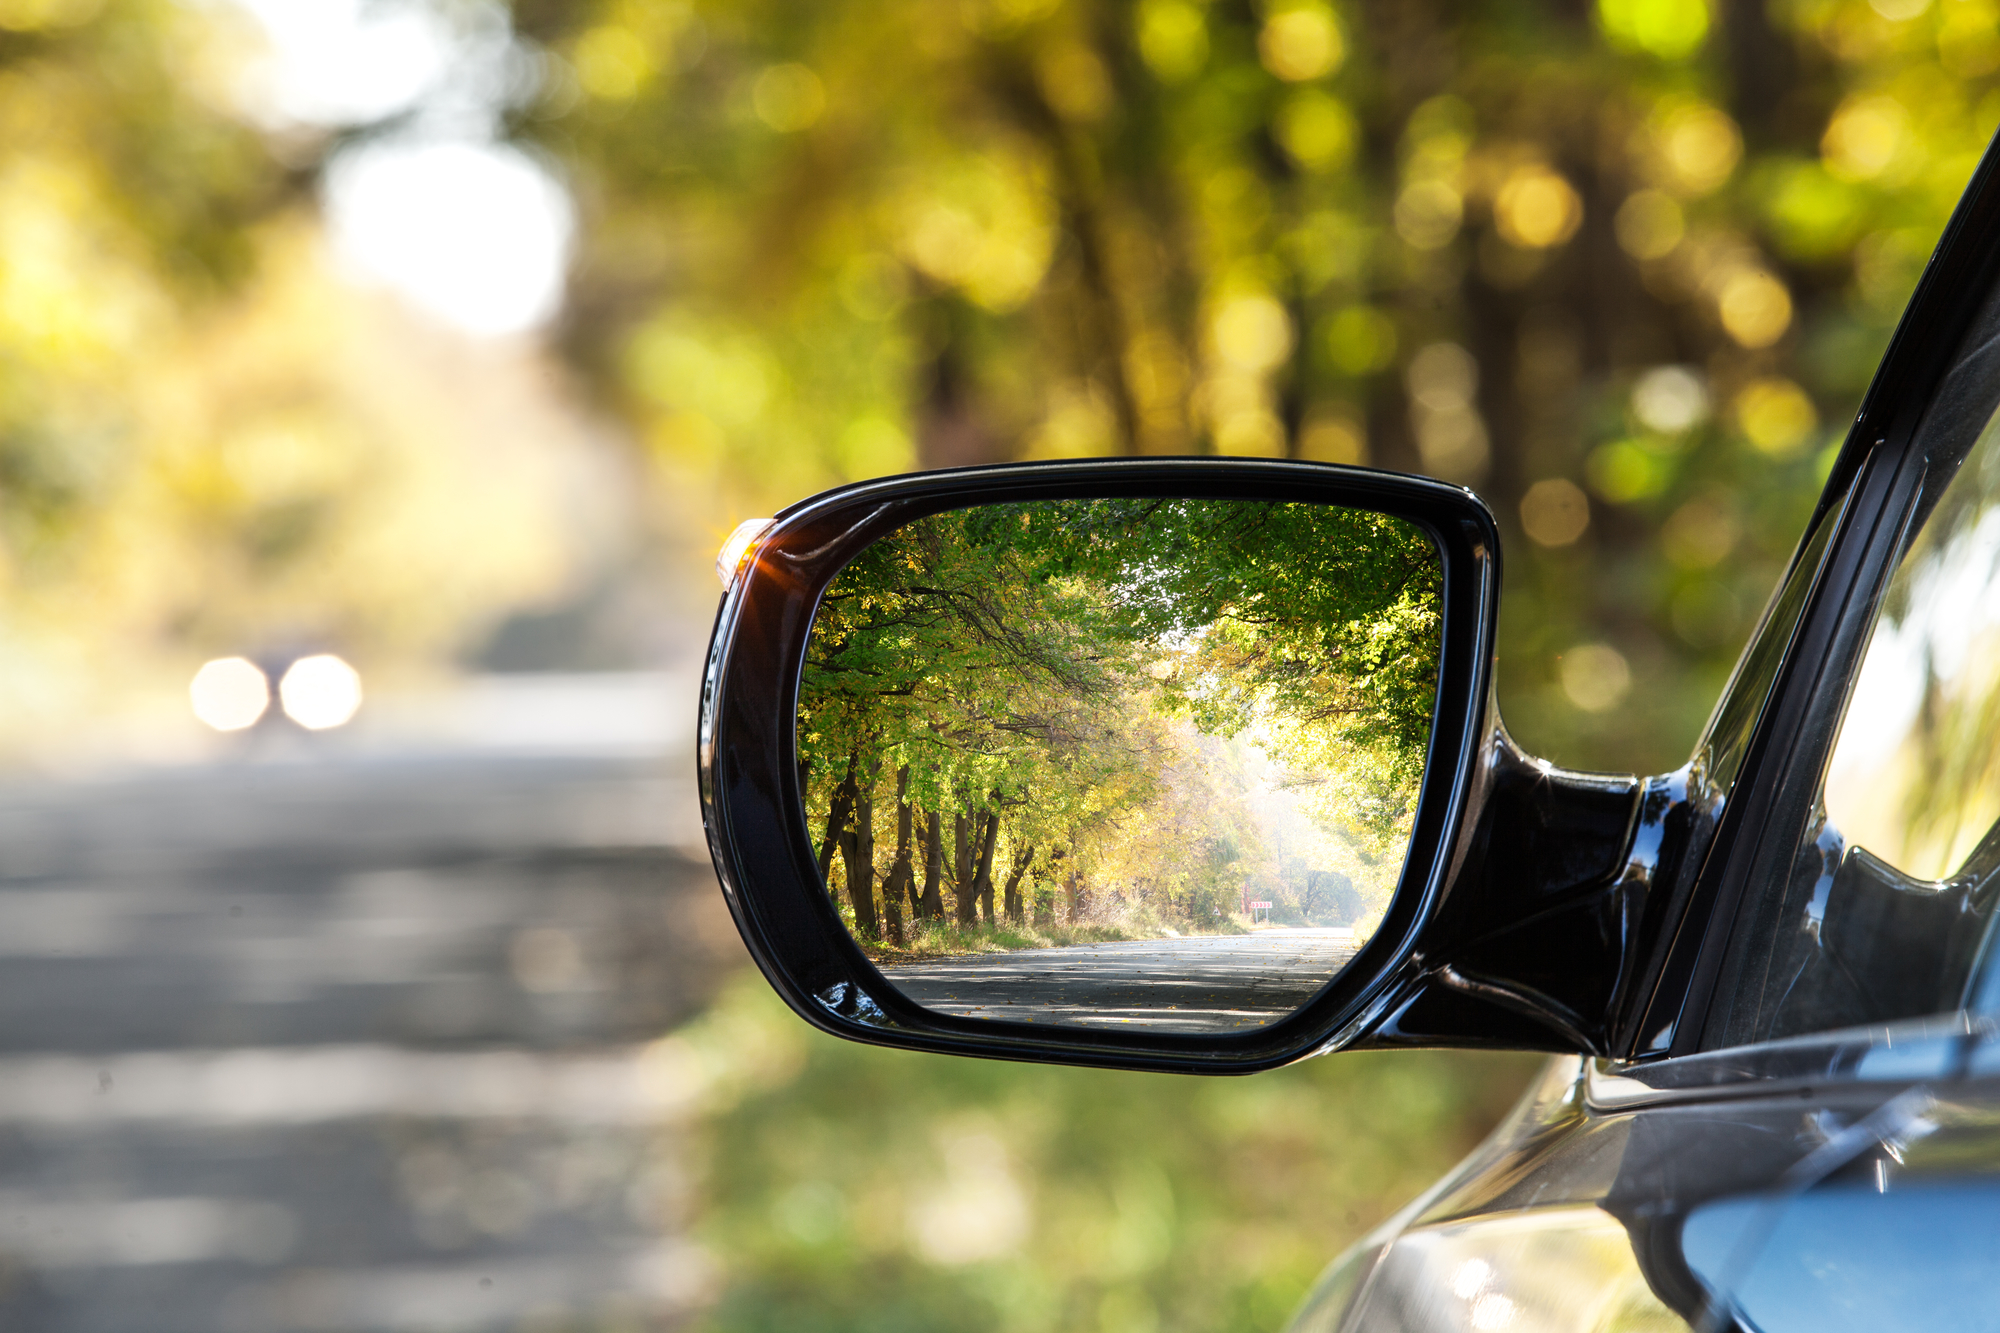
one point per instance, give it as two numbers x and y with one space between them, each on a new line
1160 764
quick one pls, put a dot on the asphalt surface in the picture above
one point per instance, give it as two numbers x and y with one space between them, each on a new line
354 1044
1207 983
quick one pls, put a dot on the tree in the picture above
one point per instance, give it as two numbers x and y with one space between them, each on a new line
1068 675
1626 277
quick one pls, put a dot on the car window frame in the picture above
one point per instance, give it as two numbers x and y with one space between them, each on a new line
1952 319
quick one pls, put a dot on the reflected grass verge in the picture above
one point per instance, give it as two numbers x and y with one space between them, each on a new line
948 939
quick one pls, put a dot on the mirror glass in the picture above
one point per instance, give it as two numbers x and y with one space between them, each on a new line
1121 761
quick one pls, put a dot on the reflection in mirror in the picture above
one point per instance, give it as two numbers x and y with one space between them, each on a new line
1143 762
1915 776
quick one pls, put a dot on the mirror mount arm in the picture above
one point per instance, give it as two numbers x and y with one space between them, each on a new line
1539 932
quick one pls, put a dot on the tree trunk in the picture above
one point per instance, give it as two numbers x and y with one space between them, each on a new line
1011 898
967 903
901 872
982 878
1045 901
933 904
849 859
836 819
858 848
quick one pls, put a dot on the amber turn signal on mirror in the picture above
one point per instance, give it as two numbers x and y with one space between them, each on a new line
736 547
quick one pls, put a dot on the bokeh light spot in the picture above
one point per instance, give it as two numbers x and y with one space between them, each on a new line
1700 146
1443 377
1626 470
1253 333
1318 131
1701 532
229 693
1537 209
1775 415
1302 43
1814 213
1595 676
1754 306
1669 29
612 63
1443 380
1333 439
1649 225
1865 136
1670 399
320 692
788 97
1074 82
1173 39
1555 512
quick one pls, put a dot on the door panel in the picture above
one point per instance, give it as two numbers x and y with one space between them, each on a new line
1624 1204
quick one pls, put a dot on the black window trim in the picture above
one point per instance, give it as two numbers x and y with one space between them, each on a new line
1879 469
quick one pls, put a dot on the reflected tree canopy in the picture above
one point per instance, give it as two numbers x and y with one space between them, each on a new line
1126 713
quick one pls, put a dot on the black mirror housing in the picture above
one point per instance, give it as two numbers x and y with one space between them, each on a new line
758 834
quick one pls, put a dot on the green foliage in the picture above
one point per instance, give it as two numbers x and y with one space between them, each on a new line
1457 240
1093 687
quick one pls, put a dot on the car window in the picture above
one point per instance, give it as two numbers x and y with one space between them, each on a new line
1885 910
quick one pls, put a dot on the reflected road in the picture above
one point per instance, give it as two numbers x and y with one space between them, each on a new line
1205 983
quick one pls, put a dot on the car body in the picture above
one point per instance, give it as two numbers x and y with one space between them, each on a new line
1775 1099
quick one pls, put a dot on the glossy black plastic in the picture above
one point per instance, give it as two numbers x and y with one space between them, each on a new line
757 828
1630 965
1950 330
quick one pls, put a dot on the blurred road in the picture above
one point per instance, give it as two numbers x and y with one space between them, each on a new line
1204 983
351 1042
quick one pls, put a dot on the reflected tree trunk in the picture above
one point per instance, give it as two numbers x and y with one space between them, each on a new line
836 818
982 877
1011 898
964 830
932 908
858 850
1055 881
901 871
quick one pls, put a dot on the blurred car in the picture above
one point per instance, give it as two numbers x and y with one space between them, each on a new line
1769 979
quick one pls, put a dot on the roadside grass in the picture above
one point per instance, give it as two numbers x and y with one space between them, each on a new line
947 939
